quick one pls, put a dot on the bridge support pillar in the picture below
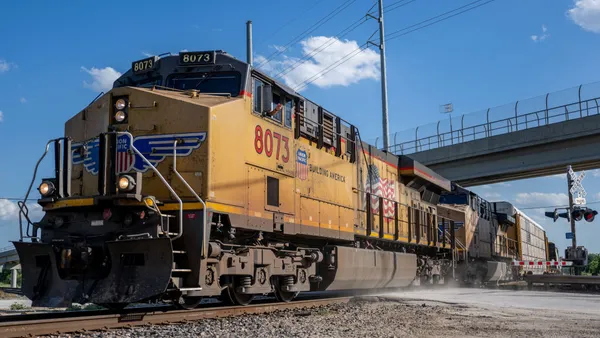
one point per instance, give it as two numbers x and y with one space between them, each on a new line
13 281
14 273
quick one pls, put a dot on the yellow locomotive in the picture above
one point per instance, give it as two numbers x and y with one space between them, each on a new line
199 176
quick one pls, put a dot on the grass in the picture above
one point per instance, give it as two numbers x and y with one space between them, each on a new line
18 306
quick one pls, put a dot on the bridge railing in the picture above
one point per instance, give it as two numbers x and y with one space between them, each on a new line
541 111
7 248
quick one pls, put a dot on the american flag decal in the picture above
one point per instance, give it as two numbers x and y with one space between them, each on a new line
301 164
124 161
125 157
381 187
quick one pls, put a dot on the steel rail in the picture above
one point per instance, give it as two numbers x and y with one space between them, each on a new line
76 322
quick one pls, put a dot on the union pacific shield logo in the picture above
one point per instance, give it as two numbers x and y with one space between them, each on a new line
301 164
154 148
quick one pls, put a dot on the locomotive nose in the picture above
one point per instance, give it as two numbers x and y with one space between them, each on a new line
128 271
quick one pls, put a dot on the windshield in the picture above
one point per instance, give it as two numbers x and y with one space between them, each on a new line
221 82
454 199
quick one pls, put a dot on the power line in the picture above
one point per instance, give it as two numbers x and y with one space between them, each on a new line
340 35
296 17
396 34
308 31
390 7
399 4
411 28
324 46
332 66
555 206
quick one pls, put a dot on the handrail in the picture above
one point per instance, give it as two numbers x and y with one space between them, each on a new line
7 248
132 147
23 210
204 211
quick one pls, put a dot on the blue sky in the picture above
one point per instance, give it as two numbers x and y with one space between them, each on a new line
54 58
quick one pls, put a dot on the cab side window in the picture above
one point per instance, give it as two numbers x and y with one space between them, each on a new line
289 105
257 95
281 105
276 101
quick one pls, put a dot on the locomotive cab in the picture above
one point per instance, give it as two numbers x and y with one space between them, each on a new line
114 216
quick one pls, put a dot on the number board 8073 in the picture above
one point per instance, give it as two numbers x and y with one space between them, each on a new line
144 65
197 58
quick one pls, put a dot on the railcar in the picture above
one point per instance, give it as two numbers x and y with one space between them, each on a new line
200 176
484 246
529 238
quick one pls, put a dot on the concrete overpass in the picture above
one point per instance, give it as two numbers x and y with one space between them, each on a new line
539 143
9 259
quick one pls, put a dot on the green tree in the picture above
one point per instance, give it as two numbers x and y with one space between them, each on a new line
593 264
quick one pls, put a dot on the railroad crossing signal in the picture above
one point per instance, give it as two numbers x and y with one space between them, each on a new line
578 214
553 215
589 215
576 186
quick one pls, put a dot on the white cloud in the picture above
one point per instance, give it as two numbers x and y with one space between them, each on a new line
102 79
5 66
362 65
595 172
586 14
542 37
278 48
146 54
23 100
1 116
9 211
534 199
492 196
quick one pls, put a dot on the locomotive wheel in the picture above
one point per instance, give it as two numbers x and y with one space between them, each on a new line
284 296
189 303
231 296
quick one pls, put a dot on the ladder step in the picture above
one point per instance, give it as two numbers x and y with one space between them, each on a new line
179 252
186 289
181 270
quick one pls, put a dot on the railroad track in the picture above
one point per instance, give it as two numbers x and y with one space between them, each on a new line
16 291
76 322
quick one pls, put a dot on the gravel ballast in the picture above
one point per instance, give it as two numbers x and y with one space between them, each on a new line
379 317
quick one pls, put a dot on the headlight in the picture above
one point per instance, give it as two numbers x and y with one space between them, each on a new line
46 188
126 183
120 116
120 104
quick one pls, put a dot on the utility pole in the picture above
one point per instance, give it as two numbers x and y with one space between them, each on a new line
249 42
384 100
570 185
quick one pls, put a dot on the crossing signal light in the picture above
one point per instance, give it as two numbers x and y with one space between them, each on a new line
553 215
565 215
577 214
589 215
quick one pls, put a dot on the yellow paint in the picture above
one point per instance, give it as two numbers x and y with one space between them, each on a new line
69 203
243 151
